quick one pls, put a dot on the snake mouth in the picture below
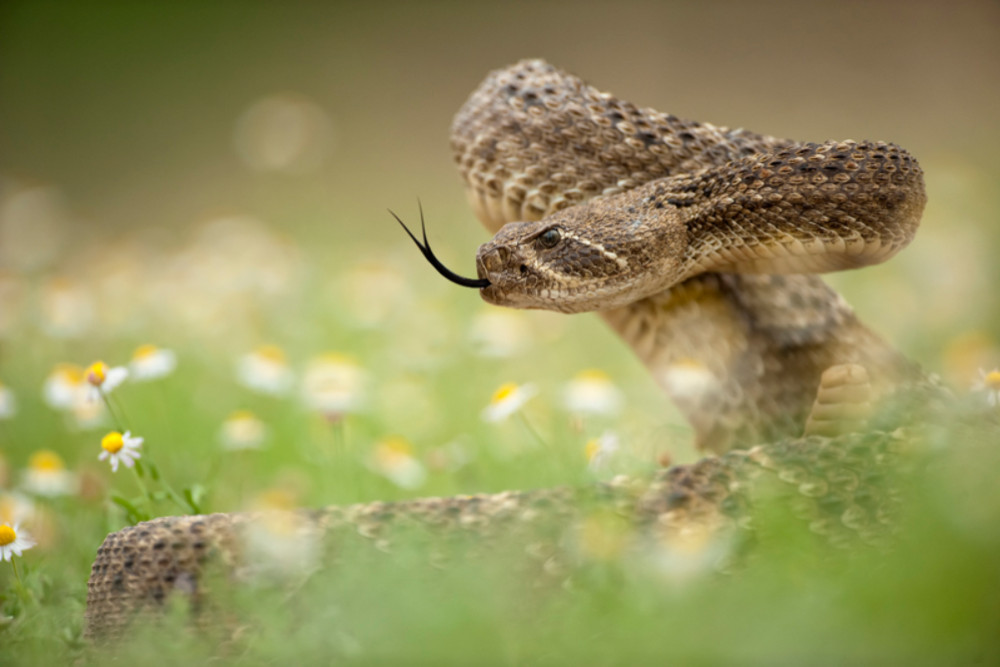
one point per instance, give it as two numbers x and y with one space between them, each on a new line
425 248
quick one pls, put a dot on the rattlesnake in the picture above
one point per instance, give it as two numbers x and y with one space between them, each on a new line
685 236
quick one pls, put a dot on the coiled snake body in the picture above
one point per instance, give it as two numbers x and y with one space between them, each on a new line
695 244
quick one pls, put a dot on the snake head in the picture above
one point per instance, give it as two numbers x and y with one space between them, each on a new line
589 257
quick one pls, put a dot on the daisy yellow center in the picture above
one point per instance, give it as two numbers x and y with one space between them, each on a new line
97 373
593 375
7 535
46 461
242 416
396 446
271 353
504 392
336 359
70 373
144 352
992 380
113 442
593 446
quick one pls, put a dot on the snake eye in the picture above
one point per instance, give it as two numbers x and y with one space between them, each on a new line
550 238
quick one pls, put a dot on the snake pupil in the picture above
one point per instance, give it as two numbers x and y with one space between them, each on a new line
550 238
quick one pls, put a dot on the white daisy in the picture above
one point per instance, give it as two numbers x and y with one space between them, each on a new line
334 385
592 392
13 541
687 378
242 430
8 403
393 459
63 386
47 475
500 333
265 370
103 379
120 448
600 450
277 540
507 400
150 362
989 383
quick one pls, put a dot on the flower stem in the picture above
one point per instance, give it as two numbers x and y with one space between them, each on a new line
532 429
114 415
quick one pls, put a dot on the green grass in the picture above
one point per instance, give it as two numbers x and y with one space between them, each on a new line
930 599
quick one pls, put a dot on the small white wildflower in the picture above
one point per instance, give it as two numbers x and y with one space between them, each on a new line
507 400
334 385
8 403
47 475
500 333
989 383
120 447
242 430
592 392
687 378
13 541
16 507
265 370
103 379
393 459
150 362
599 451
279 541
681 555
63 386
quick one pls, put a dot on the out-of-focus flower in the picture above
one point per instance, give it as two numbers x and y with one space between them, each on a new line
966 353
8 403
150 362
103 379
67 308
284 133
603 536
592 392
599 451
242 430
373 291
118 447
279 541
450 457
687 378
393 458
265 370
681 554
63 386
13 541
500 333
88 414
16 508
47 475
989 383
507 400
334 385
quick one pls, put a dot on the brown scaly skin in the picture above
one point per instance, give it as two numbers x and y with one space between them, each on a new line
536 144
533 141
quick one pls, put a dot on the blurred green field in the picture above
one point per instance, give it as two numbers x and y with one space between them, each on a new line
212 179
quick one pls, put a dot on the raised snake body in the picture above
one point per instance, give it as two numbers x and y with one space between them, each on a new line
717 212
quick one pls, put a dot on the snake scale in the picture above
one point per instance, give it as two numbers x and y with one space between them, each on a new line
697 245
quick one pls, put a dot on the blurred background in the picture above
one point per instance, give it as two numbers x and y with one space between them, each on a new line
198 191
213 178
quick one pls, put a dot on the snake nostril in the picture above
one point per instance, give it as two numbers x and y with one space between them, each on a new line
524 269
